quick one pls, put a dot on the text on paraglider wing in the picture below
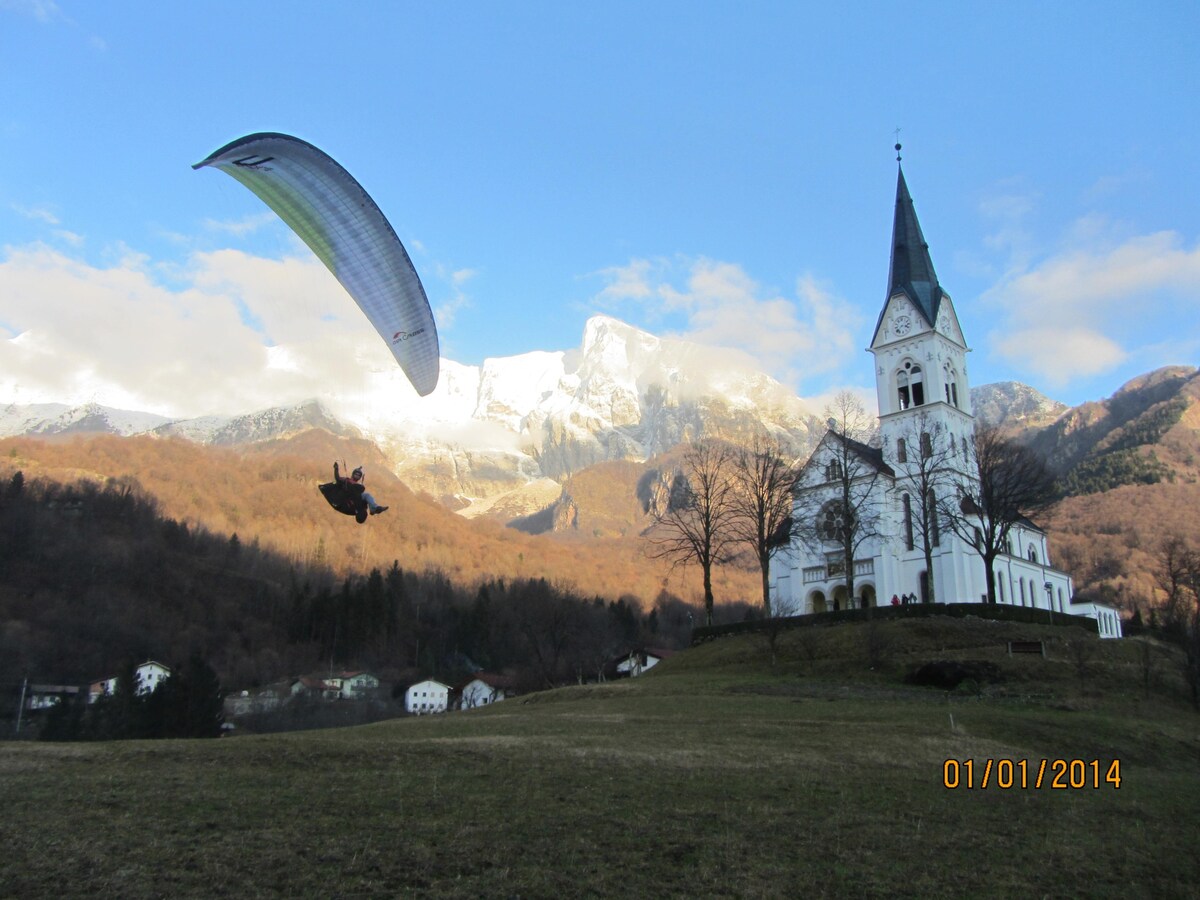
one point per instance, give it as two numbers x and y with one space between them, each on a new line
405 335
254 162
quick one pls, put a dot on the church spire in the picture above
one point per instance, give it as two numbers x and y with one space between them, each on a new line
911 272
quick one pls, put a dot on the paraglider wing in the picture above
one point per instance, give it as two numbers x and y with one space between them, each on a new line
332 213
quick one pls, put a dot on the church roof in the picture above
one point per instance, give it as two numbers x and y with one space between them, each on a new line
873 456
911 271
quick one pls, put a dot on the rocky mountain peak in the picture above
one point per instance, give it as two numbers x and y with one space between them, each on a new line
1165 375
1011 404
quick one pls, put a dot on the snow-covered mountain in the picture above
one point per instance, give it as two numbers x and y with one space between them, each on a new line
46 419
507 433
526 422
520 423
1010 404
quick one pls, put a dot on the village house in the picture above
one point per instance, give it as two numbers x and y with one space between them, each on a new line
353 685
483 689
46 696
147 676
267 699
637 661
427 697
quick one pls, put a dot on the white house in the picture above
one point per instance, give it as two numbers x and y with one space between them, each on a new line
426 697
638 661
924 398
484 689
47 696
260 701
353 685
148 676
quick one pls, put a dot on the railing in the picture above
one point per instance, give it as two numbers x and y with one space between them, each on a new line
835 571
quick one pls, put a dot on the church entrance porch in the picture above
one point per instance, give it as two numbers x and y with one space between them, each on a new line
816 602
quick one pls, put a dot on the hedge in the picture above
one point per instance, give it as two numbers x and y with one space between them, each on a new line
999 611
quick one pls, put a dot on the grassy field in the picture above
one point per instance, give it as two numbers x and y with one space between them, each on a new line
715 775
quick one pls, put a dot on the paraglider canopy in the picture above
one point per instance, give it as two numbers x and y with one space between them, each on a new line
338 220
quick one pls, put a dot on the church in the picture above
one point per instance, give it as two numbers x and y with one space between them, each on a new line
925 414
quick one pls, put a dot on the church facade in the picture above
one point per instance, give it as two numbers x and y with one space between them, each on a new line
925 434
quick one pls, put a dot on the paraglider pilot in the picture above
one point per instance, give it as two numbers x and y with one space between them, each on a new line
356 483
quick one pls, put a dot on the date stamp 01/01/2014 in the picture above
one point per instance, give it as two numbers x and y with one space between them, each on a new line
1028 774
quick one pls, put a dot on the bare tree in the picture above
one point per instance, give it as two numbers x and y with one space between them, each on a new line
1178 575
696 523
762 504
839 503
926 460
1003 484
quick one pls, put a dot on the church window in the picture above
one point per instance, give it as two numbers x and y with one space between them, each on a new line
1060 600
833 470
1032 554
835 565
908 522
901 450
964 448
926 445
1000 588
916 383
1021 581
910 386
950 382
833 522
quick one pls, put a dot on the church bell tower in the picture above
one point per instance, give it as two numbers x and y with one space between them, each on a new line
919 349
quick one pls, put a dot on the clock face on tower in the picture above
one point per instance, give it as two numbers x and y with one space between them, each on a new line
902 325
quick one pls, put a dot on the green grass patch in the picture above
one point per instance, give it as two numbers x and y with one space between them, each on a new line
714 775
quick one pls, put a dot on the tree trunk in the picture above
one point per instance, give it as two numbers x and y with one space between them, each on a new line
708 594
932 593
988 562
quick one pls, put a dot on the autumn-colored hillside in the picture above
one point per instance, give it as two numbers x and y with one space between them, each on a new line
269 493
1109 541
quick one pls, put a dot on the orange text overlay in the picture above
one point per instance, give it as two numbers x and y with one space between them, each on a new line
1031 774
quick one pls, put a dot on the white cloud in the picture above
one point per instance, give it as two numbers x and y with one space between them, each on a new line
1059 355
243 226
788 337
115 333
36 213
1097 303
42 10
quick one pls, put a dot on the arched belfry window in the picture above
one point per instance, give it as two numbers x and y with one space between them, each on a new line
950 383
910 386
1032 554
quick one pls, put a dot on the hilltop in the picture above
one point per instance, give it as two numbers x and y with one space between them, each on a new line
714 775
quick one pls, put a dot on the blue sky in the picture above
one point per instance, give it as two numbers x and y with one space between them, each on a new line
715 171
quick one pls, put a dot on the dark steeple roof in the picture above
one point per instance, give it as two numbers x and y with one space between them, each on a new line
911 268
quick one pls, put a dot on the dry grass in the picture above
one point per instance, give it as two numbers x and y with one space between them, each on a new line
709 777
